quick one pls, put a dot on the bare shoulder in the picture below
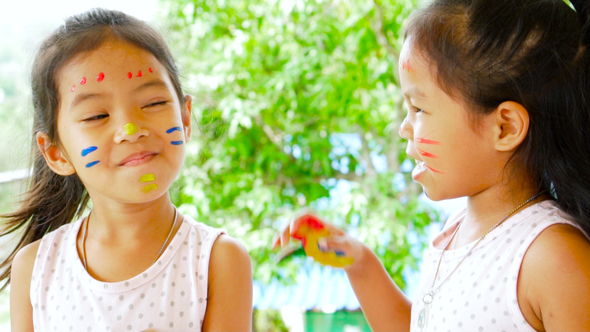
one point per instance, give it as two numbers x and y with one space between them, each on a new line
21 312
227 250
24 260
555 278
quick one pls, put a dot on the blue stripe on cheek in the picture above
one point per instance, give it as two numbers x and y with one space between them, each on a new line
173 129
86 151
92 164
177 142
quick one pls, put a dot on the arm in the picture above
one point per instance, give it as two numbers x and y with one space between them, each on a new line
554 281
229 306
21 311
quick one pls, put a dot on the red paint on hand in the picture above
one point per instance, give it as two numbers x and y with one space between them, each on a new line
100 77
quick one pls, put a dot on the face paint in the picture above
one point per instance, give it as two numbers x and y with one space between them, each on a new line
147 178
129 75
83 81
434 170
407 66
151 70
177 142
139 74
173 129
86 151
92 164
426 141
130 128
426 154
149 187
100 77
73 88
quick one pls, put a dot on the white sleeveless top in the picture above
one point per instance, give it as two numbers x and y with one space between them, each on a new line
171 295
482 294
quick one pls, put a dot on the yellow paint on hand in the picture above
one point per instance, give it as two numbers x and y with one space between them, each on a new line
149 187
147 178
130 128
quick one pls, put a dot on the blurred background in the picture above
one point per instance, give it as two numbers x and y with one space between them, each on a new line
297 104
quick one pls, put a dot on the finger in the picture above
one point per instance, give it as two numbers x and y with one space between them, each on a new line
276 241
284 236
295 224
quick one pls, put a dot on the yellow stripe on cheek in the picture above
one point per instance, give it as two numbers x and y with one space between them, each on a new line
149 187
130 128
147 178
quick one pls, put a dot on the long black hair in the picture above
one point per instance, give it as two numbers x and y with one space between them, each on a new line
53 200
534 52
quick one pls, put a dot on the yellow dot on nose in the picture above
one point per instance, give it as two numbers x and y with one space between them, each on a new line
130 128
149 188
147 178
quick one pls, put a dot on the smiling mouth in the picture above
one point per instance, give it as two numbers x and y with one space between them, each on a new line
137 159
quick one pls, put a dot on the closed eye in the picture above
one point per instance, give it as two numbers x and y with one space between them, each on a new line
96 117
158 103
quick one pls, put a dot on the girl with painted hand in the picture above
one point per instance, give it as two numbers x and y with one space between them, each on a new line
110 125
498 110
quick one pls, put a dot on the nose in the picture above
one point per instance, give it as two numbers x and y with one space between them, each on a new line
405 130
130 132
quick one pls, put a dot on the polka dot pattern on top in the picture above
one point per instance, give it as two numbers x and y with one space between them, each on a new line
482 294
171 295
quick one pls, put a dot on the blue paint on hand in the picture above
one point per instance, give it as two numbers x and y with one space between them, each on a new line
177 142
173 129
92 163
86 151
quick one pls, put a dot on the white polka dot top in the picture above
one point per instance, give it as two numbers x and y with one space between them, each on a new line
482 294
171 295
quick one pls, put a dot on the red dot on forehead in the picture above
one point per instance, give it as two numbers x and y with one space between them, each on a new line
100 77
83 81
73 88
139 74
129 75
151 70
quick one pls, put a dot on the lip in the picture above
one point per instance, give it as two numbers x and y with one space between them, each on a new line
138 158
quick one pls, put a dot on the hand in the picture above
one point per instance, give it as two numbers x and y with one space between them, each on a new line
324 242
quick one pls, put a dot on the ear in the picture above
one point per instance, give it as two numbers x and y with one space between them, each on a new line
186 116
54 156
511 125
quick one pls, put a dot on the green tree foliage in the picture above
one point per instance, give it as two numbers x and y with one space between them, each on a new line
293 99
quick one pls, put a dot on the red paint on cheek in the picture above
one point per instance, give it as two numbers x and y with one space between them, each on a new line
426 154
151 70
407 66
434 170
83 81
73 88
427 141
139 74
129 75
100 77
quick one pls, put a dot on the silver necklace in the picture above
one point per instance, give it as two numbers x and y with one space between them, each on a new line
155 259
429 296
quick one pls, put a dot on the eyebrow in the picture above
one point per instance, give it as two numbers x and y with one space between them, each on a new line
158 83
84 96
414 92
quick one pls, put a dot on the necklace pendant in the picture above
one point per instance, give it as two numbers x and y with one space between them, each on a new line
423 317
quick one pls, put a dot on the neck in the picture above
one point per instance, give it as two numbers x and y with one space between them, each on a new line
116 223
488 208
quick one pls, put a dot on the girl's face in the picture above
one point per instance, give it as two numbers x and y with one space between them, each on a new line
452 160
120 123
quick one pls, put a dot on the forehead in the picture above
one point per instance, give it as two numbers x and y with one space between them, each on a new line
112 57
